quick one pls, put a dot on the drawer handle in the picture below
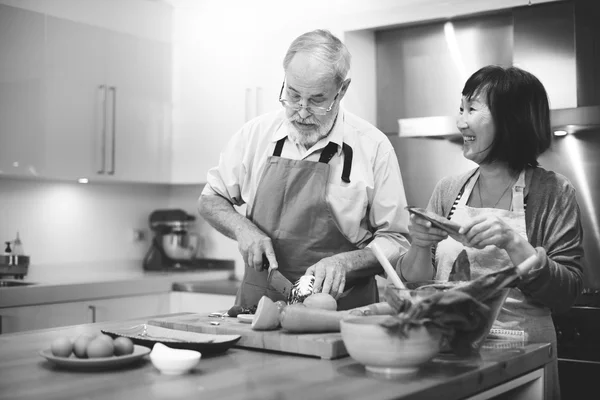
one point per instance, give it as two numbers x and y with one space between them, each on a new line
93 310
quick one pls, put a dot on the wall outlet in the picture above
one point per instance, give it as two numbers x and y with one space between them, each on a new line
138 235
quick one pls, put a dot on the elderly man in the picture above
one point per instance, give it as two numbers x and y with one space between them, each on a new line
320 184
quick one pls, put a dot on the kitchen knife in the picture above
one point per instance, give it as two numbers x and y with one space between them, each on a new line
279 283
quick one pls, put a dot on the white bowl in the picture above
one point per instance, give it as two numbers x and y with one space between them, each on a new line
173 361
385 353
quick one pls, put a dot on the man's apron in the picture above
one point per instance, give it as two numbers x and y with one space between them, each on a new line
518 312
290 207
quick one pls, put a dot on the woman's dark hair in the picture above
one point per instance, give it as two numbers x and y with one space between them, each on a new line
519 106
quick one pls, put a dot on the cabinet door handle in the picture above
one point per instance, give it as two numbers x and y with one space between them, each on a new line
0 324
102 168
113 89
258 101
93 313
247 105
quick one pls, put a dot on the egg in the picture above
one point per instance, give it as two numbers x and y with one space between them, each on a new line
100 347
61 347
80 345
123 346
105 337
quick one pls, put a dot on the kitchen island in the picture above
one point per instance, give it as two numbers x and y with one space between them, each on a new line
239 373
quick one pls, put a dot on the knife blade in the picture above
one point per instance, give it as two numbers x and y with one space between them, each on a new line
279 283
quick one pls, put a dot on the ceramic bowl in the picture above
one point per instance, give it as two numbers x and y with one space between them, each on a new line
385 353
173 361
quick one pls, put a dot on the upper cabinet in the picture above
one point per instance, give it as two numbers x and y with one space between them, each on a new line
21 88
108 104
99 106
222 83
211 98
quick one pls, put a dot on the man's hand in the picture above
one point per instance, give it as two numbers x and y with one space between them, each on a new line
330 276
256 249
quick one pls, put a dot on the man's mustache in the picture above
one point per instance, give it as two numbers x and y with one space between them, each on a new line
304 121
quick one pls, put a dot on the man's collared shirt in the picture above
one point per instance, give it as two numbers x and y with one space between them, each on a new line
372 204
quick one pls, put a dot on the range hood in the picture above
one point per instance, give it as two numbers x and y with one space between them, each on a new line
560 43
563 120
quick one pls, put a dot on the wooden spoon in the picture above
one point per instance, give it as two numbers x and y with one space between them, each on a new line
389 270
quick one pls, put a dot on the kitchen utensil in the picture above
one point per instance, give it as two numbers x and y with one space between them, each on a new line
437 221
174 245
280 283
84 364
495 301
385 353
180 245
148 335
173 361
389 270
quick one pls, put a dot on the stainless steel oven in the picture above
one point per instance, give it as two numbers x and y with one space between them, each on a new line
578 344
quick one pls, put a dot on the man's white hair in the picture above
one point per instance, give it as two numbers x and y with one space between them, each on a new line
325 47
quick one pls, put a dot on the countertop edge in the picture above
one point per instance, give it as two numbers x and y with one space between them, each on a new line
40 294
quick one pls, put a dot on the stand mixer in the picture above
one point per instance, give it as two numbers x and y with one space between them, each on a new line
173 245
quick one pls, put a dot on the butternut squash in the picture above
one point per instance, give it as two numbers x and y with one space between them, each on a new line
298 318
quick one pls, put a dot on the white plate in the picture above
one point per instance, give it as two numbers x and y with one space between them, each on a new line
246 318
73 362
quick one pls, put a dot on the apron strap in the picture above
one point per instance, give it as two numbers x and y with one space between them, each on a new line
279 147
330 150
326 156
347 162
518 202
468 189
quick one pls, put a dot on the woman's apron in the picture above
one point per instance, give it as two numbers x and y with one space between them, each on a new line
518 312
290 207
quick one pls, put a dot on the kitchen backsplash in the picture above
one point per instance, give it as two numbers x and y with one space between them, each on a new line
62 223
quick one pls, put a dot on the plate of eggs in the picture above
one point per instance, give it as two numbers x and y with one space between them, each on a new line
93 351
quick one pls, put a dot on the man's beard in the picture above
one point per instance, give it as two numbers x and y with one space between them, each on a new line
309 138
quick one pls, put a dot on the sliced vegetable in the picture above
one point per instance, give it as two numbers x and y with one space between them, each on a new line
297 318
266 316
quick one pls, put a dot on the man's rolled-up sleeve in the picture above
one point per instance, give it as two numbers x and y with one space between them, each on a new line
387 213
226 178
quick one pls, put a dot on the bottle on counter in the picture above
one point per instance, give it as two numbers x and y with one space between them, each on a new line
17 249
7 250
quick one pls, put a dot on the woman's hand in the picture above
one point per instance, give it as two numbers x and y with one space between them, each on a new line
485 231
423 234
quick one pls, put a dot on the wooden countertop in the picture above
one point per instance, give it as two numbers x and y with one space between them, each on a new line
250 374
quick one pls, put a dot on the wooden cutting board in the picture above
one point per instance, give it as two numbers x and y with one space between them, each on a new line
324 345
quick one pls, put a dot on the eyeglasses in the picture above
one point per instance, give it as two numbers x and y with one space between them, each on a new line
311 109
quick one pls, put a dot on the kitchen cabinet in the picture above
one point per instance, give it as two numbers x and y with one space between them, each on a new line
211 99
21 87
108 104
201 303
82 101
223 84
18 319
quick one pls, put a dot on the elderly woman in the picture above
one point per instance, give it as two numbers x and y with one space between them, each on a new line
509 208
